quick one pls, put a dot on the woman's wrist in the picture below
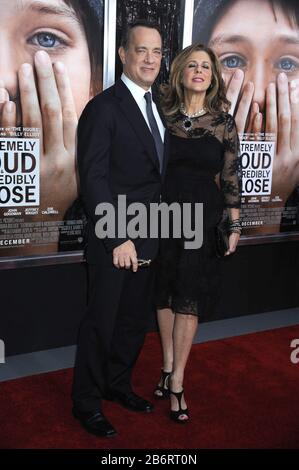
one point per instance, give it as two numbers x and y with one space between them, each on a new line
235 226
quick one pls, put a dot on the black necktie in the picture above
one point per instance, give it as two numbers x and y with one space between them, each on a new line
154 128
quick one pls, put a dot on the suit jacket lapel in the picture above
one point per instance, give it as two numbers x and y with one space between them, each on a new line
135 117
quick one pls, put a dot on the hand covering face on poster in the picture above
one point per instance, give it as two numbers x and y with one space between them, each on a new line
257 42
50 67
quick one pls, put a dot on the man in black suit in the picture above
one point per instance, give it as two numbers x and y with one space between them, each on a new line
121 151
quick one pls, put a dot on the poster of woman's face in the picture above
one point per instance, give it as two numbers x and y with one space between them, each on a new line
257 42
50 67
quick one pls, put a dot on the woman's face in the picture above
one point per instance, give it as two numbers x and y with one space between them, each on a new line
261 46
197 73
27 26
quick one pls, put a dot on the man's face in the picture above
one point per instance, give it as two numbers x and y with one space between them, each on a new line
142 59
27 26
262 45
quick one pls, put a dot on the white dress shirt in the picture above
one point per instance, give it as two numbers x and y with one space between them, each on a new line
138 94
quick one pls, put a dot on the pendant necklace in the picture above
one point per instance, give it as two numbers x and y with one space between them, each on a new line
187 123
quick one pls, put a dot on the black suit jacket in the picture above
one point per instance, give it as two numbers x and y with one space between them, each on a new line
117 155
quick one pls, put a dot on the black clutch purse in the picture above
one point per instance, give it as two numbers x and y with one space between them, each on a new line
221 236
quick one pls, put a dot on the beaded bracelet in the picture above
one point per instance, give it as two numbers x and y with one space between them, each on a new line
235 226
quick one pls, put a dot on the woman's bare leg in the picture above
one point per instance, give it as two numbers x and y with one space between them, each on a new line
166 322
185 327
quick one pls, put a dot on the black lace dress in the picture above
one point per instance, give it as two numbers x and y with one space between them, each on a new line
203 167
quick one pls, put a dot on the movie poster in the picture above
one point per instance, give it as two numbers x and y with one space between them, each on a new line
50 67
257 44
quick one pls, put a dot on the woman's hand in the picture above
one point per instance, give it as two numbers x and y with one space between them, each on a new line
234 237
233 241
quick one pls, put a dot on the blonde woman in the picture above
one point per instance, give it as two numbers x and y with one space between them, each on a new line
203 168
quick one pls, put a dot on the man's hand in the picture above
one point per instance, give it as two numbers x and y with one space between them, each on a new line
125 256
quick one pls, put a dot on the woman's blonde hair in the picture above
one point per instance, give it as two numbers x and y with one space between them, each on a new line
173 92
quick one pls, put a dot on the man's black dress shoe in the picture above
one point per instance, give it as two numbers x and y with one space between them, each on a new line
132 402
95 423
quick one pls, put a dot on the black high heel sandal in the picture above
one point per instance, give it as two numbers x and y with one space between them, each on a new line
175 415
163 388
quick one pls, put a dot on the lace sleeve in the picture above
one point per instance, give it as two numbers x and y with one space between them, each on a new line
230 177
